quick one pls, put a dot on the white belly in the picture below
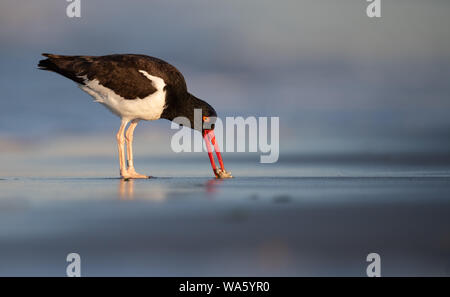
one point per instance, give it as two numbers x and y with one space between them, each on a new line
149 108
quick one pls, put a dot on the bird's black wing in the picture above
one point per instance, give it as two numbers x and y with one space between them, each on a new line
119 73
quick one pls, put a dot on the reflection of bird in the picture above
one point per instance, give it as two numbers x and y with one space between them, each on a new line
137 87
126 189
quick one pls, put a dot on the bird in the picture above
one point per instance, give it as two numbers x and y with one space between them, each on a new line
138 88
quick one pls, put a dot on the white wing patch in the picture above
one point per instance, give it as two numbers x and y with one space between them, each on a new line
149 108
158 82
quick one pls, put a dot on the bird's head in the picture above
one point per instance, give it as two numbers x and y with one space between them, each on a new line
199 115
190 112
204 116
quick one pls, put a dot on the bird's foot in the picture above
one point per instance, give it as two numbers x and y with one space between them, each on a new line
131 173
222 173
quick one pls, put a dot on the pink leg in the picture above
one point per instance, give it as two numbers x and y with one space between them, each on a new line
129 139
120 146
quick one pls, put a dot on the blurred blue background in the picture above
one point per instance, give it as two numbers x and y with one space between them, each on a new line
364 107
340 81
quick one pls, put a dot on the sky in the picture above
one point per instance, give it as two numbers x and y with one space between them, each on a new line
335 77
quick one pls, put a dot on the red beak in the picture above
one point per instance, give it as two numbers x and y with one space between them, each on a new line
209 137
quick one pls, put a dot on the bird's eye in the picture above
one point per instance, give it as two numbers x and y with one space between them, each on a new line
205 119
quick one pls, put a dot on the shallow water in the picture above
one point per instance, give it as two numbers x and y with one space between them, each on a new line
292 218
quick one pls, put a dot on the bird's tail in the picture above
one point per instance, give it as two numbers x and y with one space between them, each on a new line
47 64
63 65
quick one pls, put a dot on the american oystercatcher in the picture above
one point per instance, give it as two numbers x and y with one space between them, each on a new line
135 88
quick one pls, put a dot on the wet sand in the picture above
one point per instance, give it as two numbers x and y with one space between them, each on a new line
295 218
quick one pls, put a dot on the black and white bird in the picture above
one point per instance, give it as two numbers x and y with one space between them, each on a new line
135 88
